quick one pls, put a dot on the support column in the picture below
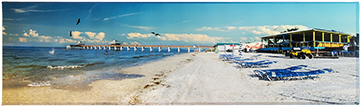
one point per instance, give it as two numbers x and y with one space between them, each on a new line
274 41
290 40
134 48
348 38
99 48
303 39
151 49
104 47
115 48
127 48
168 49
159 49
95 47
178 49
331 40
142 49
322 34
121 48
188 49
109 48
199 49
339 38
314 38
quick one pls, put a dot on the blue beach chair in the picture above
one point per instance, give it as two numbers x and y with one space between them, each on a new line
239 60
264 63
287 75
226 56
262 73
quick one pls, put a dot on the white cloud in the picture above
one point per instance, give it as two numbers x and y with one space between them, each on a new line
204 28
125 43
64 40
25 34
22 39
32 9
123 15
76 35
90 34
256 32
140 27
11 39
228 28
100 36
135 43
179 37
33 33
138 35
161 38
243 38
231 28
3 28
45 38
14 34
259 30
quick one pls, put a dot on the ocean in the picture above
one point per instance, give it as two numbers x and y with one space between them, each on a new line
29 65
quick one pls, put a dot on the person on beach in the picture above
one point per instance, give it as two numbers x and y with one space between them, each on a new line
345 47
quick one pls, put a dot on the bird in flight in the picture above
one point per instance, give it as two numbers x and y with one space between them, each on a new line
78 21
156 34
70 33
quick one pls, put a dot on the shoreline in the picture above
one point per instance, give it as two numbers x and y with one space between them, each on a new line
202 78
120 91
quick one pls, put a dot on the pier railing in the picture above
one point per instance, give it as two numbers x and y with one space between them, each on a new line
127 47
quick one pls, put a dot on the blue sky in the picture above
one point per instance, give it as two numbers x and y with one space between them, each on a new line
49 23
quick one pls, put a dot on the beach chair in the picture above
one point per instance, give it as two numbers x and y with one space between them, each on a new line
287 75
238 59
226 56
262 73
264 63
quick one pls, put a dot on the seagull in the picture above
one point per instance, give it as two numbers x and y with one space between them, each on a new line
78 21
156 34
70 33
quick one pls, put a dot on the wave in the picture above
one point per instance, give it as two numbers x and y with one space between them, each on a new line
73 66
56 59
30 66
22 57
143 56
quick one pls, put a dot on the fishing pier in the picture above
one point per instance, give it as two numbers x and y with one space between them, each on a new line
135 47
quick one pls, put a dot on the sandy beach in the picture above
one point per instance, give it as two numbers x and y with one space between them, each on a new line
203 78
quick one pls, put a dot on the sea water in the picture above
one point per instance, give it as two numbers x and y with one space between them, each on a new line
24 65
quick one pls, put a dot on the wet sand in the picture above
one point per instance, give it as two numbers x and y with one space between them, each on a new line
202 78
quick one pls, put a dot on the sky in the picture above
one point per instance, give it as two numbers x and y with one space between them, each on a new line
48 24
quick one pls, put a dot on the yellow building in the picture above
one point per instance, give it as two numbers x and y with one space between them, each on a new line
313 38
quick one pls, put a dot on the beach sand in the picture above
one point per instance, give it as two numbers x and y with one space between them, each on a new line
203 78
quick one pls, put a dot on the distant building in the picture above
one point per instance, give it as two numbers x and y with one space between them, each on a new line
227 46
114 42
